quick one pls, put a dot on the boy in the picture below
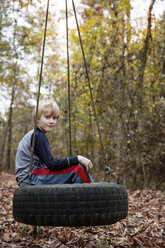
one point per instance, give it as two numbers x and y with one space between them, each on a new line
46 168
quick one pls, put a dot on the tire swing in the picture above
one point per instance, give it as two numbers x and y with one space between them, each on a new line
70 204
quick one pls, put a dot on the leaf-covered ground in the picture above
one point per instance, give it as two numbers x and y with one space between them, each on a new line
144 226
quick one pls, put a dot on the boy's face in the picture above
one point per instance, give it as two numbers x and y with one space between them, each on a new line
47 122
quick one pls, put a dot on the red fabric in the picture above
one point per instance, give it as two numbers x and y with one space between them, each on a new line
75 168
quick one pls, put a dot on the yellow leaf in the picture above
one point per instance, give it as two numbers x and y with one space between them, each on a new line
25 5
138 191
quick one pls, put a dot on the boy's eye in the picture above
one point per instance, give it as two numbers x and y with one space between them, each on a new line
55 117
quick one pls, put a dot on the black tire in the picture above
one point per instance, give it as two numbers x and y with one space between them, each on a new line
70 204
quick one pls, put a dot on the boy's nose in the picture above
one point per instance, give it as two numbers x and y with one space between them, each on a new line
52 120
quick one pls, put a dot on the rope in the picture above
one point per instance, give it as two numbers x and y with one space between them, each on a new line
38 95
90 89
69 95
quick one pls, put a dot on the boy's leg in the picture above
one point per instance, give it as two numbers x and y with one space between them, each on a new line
72 174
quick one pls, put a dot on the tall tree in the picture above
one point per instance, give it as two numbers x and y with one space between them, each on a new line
23 24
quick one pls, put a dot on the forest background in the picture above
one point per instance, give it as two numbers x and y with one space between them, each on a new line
126 64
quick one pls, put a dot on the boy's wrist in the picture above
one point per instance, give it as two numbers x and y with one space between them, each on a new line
79 158
73 160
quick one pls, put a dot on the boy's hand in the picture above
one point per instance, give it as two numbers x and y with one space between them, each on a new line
86 162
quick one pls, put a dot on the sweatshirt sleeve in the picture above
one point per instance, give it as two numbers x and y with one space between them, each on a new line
42 149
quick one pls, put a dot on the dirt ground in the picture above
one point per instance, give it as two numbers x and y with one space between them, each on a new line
143 227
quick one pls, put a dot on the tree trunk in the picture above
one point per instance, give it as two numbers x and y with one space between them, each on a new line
163 71
8 158
3 146
143 57
128 24
140 117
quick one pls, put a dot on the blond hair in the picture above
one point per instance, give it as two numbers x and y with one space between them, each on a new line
44 107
